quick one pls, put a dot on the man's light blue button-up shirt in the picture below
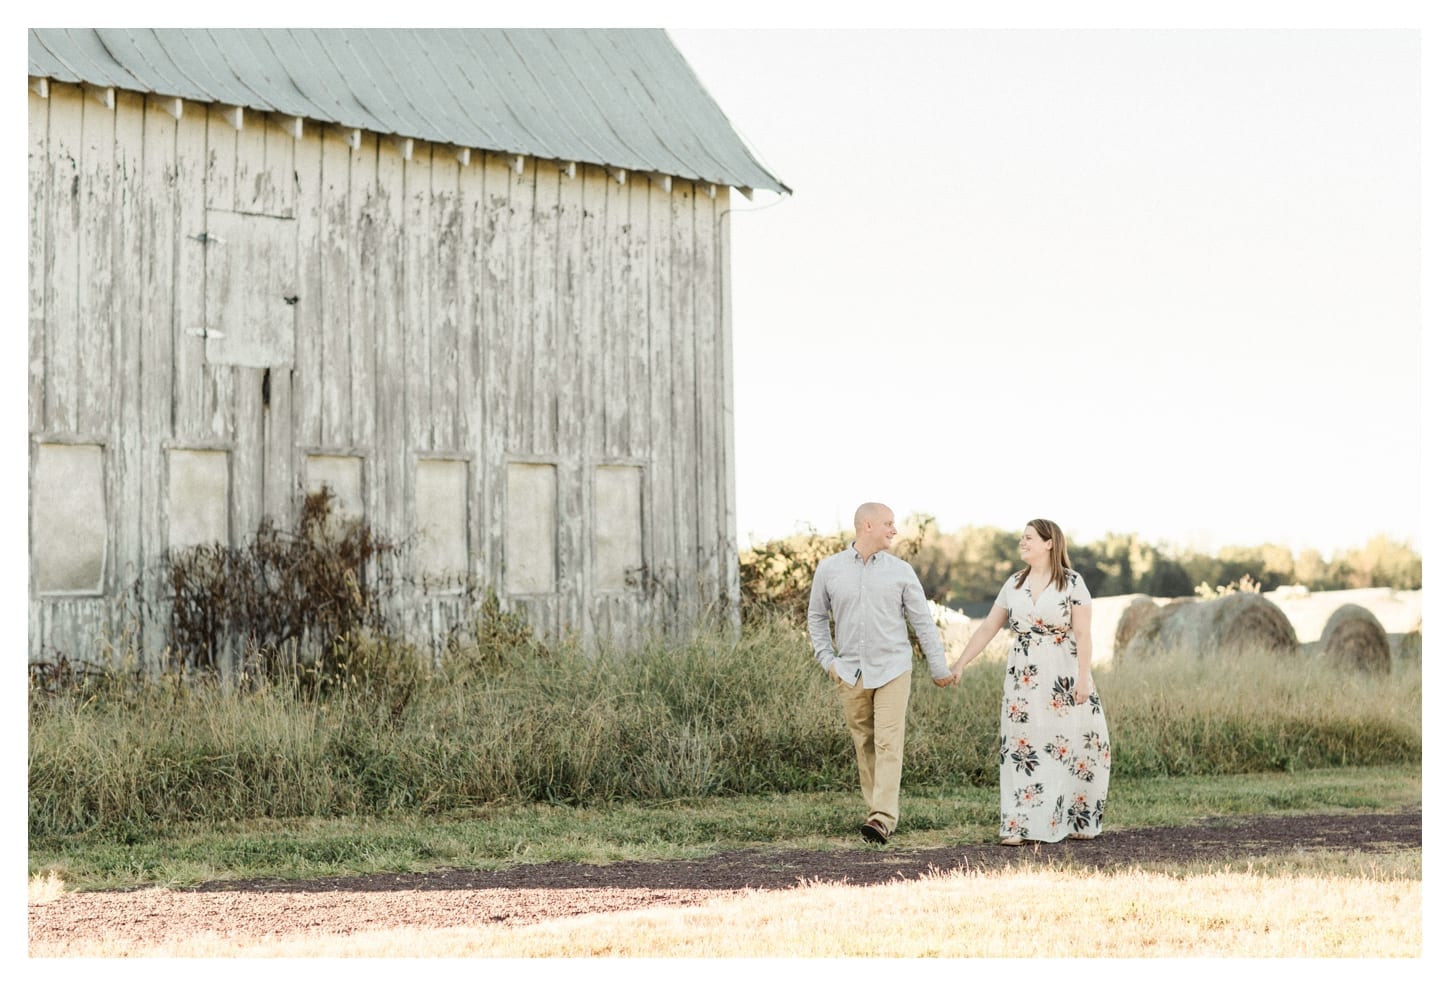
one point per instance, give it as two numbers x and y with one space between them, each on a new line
871 602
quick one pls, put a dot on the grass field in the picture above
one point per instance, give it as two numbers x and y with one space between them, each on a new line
679 751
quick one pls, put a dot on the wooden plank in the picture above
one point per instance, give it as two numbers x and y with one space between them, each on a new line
218 381
418 273
248 409
279 480
277 184
63 249
544 320
127 434
73 626
386 234
596 290
661 512
684 396
496 295
189 421
709 407
570 410
362 299
728 519
446 219
472 373
334 234
249 457
597 390
157 262
609 395
36 615
252 179
307 378
634 329
519 347
38 187
95 346
221 159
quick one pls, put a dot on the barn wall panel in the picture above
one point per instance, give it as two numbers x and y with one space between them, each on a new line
385 242
156 262
444 245
496 330
360 369
38 203
491 315
124 380
334 235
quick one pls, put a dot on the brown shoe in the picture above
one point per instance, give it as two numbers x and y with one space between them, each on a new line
874 831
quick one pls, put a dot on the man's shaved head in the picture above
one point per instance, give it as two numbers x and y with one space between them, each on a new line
870 513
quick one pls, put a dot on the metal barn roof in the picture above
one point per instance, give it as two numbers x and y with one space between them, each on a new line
618 98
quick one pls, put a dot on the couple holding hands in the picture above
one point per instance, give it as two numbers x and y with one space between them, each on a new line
1053 753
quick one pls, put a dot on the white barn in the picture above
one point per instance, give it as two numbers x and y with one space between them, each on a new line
477 281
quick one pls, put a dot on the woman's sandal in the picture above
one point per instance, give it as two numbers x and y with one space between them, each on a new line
1012 840
1080 835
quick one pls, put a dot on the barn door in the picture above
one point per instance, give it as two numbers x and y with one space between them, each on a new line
251 297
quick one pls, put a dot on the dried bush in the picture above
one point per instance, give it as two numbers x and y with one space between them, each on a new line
775 577
293 601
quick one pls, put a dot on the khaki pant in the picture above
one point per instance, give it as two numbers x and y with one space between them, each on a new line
876 718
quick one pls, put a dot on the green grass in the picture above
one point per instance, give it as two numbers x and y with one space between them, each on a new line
507 835
682 746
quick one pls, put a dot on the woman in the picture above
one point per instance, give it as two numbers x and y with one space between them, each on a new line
1053 754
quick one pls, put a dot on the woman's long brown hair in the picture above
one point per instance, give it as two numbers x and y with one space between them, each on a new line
1057 558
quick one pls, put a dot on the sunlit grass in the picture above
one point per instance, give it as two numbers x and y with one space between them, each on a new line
1309 906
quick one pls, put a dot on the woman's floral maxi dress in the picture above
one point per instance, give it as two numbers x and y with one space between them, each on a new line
1054 757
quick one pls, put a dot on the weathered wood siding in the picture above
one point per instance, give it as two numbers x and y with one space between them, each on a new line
488 311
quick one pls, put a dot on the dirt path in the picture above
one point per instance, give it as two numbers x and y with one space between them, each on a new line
260 910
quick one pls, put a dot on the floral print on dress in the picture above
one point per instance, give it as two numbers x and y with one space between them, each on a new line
1029 796
1023 756
1045 735
1016 712
1061 701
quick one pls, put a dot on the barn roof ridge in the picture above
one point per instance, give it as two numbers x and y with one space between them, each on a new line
621 98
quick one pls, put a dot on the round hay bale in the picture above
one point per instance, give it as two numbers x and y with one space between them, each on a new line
1407 647
1247 622
1155 635
1134 615
1354 638
1241 622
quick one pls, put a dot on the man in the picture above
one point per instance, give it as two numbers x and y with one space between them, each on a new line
870 594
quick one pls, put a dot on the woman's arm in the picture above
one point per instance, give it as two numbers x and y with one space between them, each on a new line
995 621
1082 632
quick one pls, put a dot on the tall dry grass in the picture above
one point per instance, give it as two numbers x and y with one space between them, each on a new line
713 714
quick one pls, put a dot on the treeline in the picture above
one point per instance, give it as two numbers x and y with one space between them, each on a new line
964 569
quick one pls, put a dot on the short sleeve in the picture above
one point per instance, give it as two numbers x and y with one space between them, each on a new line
1077 590
1004 595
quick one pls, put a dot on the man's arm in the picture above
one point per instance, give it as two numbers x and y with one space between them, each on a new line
919 613
818 621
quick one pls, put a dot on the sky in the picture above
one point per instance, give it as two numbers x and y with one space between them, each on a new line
1152 281
1132 270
